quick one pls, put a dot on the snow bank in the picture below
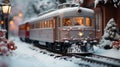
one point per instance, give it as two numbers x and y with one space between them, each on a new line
26 57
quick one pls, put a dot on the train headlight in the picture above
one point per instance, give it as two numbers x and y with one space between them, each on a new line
80 34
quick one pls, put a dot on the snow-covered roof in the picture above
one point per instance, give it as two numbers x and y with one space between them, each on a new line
65 12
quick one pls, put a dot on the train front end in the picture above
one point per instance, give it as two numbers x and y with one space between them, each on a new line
78 31
79 39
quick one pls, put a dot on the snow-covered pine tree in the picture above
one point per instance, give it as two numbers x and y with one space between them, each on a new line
115 2
111 33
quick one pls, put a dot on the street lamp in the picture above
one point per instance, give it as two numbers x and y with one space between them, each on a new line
6 8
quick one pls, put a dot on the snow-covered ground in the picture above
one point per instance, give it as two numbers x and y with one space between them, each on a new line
24 56
110 53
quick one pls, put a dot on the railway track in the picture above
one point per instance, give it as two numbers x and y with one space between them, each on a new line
100 61
89 60
109 59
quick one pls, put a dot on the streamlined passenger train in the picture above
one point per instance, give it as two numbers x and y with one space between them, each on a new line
68 29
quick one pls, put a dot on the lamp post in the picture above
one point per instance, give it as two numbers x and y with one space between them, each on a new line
6 8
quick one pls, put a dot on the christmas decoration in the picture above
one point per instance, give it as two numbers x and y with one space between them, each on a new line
6 46
116 44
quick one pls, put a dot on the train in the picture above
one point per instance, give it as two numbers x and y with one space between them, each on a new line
68 29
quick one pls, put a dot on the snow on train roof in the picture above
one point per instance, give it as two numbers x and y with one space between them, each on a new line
65 12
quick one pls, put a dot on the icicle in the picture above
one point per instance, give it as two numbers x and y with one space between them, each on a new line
114 1
81 1
105 1
96 2
78 1
115 5
118 3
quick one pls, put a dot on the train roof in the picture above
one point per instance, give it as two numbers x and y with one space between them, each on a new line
65 12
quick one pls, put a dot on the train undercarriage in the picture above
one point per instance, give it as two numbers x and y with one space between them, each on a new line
85 46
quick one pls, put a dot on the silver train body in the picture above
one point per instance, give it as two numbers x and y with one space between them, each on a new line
62 30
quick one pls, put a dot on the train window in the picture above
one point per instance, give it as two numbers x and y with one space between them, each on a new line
79 21
45 23
41 24
88 22
32 26
51 24
48 23
37 25
67 22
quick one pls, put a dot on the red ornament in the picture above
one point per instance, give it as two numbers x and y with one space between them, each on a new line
116 44
11 45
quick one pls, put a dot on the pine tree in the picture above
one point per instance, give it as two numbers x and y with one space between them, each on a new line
111 33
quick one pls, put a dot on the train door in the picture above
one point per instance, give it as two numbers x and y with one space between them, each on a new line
27 32
57 23
22 32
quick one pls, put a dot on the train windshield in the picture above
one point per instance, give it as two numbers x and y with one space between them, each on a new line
82 21
77 21
67 22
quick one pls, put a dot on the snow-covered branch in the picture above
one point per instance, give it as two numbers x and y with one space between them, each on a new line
116 2
78 1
